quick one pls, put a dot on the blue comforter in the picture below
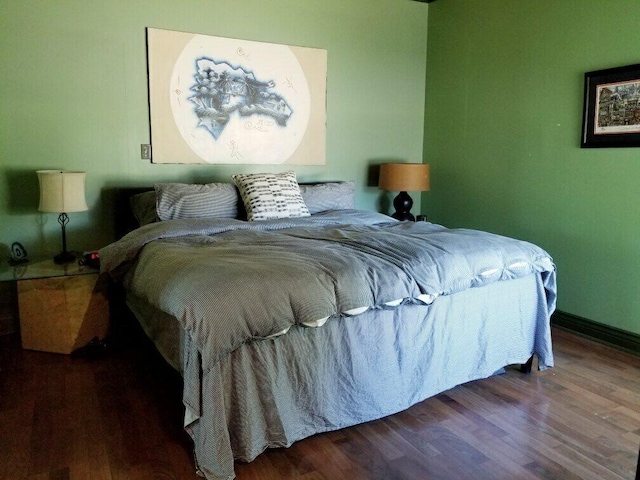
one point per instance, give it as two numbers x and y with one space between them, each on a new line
229 281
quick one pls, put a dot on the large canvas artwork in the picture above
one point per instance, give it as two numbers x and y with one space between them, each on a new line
226 101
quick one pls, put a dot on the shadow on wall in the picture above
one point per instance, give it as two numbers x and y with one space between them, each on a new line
23 198
23 191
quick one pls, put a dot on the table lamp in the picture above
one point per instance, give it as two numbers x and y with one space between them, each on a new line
403 177
62 192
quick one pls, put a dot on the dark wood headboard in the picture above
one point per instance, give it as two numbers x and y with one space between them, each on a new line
124 220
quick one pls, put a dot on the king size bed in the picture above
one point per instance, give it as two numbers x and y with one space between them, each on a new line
323 318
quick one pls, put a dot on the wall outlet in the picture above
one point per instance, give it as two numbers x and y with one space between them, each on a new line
145 151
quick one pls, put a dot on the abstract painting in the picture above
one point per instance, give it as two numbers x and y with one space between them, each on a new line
219 100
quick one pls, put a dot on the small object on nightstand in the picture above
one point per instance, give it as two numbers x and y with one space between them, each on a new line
18 254
90 259
421 218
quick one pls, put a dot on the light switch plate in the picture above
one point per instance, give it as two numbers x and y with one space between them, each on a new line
145 151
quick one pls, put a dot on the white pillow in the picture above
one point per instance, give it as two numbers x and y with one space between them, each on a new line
268 196
181 200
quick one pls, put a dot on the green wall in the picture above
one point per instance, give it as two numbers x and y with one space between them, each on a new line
502 129
501 124
74 96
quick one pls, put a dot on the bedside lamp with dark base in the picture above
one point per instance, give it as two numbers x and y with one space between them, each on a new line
403 177
403 203
62 192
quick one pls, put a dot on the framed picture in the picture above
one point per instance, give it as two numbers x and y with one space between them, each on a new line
611 115
220 100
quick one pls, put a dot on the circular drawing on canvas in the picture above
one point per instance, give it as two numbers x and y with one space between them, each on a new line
237 101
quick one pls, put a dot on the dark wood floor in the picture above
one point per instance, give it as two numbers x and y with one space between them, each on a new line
120 418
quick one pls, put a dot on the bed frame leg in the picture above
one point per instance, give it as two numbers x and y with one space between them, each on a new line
526 367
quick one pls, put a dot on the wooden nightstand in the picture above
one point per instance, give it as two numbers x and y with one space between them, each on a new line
61 307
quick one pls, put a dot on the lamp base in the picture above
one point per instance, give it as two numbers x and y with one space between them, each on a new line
64 257
403 203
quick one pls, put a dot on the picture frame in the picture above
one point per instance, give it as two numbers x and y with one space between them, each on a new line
611 116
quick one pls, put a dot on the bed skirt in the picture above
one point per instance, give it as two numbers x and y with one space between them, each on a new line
271 393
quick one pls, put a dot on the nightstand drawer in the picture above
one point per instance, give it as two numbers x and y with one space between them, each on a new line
60 314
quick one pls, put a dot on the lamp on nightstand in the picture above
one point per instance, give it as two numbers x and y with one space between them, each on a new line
404 177
62 192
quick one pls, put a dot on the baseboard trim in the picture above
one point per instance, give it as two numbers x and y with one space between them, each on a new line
599 332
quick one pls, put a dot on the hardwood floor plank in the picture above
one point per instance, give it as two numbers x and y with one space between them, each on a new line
497 449
545 445
120 418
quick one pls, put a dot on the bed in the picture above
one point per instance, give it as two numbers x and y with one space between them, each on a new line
288 312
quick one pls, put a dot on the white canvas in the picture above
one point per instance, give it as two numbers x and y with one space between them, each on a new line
227 101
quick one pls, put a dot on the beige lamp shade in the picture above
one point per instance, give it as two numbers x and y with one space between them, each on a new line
61 191
404 177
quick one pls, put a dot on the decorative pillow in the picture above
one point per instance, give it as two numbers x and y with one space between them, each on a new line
143 206
180 200
271 195
329 196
